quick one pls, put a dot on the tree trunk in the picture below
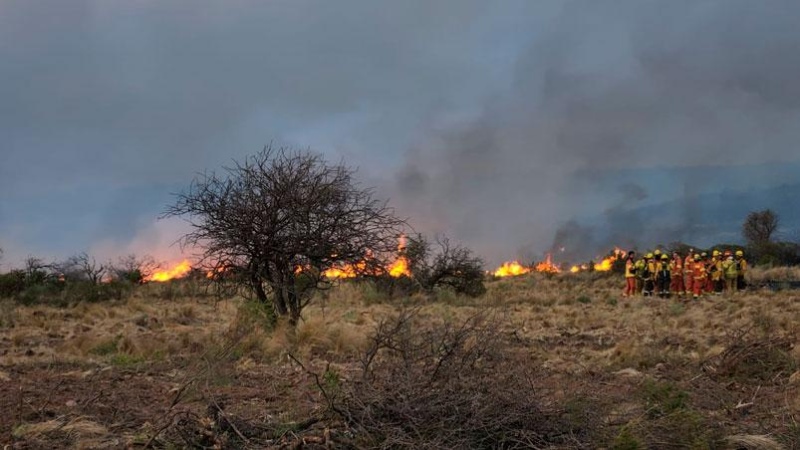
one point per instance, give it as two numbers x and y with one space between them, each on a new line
280 302
294 307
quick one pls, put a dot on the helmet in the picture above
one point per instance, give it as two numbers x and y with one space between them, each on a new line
703 255
657 252
664 257
696 257
648 256
739 253
715 253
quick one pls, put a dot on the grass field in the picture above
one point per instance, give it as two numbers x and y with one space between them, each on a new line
538 362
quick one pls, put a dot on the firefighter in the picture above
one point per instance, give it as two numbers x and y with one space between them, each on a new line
676 270
663 276
715 273
730 273
741 270
648 272
698 275
630 275
687 267
639 267
708 259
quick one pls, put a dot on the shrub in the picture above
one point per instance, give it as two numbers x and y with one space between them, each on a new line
452 385
12 283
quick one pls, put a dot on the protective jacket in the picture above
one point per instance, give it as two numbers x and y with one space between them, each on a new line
699 271
676 265
741 266
729 269
715 269
630 269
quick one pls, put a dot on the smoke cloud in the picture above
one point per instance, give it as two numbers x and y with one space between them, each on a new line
602 90
515 127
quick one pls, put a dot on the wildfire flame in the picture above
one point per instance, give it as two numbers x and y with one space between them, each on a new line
178 271
397 269
605 265
547 266
510 269
346 271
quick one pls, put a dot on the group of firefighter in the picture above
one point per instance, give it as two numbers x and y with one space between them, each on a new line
657 273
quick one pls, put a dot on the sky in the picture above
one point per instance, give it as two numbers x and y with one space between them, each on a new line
496 123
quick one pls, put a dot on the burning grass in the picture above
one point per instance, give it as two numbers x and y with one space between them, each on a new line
548 360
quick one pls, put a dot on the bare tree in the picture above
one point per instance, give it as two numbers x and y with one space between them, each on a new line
133 268
82 267
280 218
759 226
452 266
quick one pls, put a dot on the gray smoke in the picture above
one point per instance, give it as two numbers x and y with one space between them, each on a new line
602 89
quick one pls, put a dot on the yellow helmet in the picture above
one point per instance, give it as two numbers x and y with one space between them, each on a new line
703 255
648 256
739 253
715 253
657 252
696 257
664 257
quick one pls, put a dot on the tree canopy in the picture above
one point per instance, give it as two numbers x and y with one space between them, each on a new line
277 220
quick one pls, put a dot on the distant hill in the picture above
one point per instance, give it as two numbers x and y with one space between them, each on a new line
701 220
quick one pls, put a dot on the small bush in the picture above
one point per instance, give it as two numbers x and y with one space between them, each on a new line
626 441
749 358
452 385
107 347
253 313
12 284
663 398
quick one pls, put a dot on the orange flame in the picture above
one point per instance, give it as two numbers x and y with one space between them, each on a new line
346 271
510 269
179 271
547 266
607 263
399 268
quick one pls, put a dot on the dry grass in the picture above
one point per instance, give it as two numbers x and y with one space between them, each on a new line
759 275
572 331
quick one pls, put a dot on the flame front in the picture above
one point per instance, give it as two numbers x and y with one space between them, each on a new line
547 266
607 263
510 269
179 271
399 268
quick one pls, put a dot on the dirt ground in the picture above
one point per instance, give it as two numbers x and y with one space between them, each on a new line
618 373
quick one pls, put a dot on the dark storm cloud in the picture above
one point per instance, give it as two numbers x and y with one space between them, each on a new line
500 121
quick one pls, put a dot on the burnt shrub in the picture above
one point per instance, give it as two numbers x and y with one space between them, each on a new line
433 383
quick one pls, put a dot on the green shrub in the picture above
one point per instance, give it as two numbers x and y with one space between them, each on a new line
663 398
626 441
253 313
107 347
12 283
